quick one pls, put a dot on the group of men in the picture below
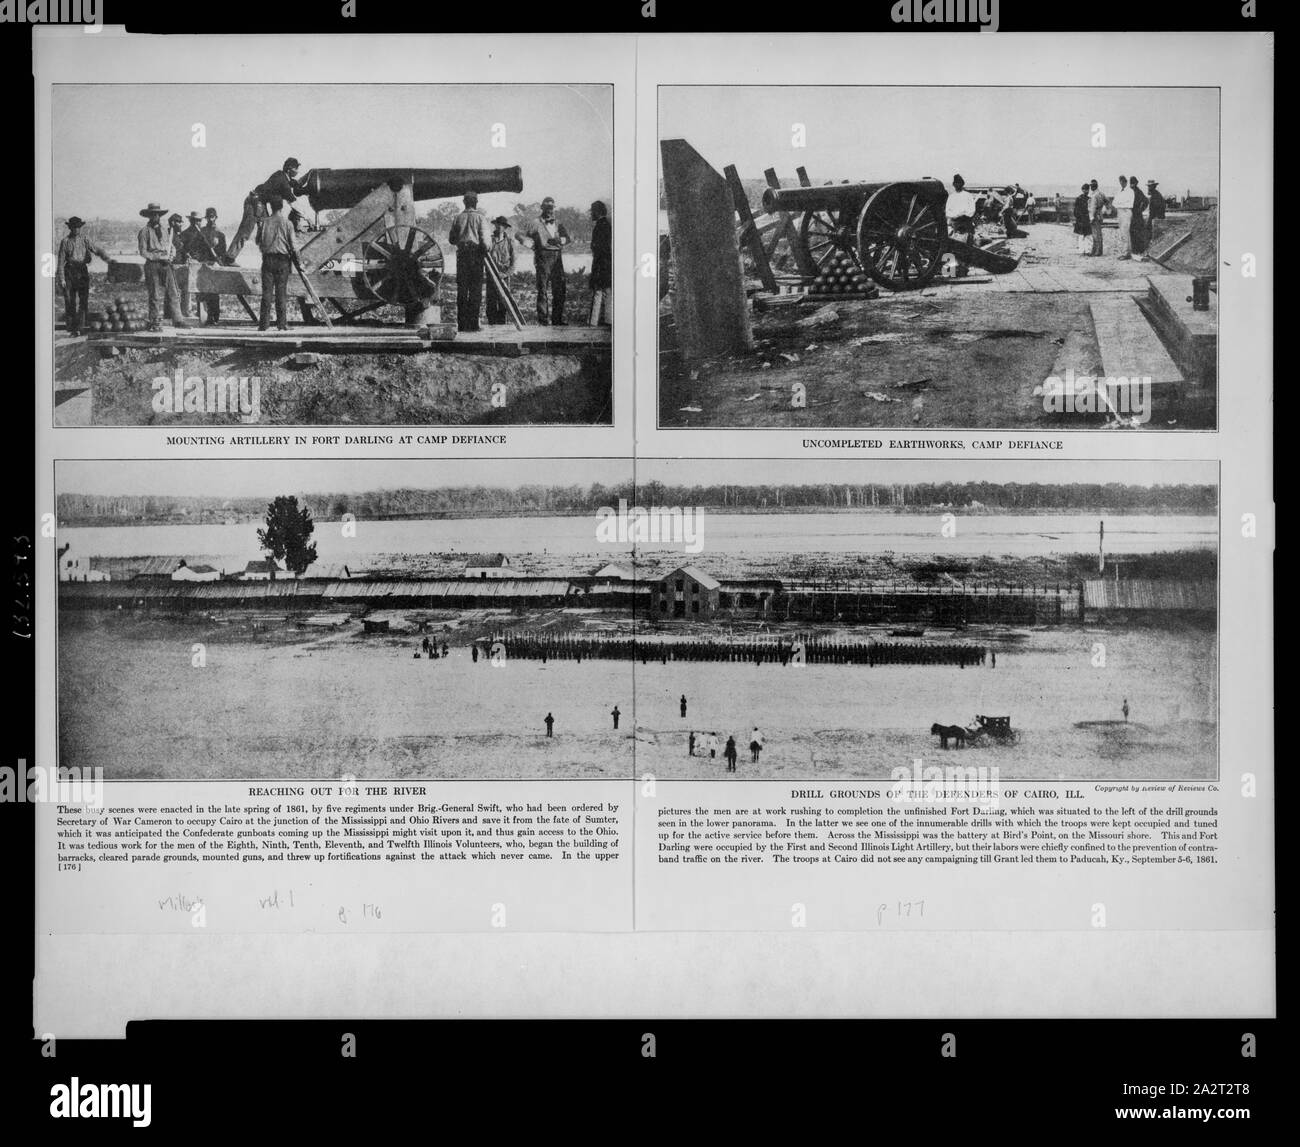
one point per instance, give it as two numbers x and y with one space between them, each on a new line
477 241
264 216
164 247
1136 213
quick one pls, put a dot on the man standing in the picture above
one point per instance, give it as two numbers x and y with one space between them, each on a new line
615 714
550 725
1096 209
1139 228
469 235
276 243
1155 206
683 706
209 248
501 250
72 274
1124 213
1083 222
602 271
549 238
960 210
155 246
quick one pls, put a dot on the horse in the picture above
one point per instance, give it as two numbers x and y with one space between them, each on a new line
943 732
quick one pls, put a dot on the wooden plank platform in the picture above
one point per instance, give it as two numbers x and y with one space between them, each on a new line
375 339
1128 344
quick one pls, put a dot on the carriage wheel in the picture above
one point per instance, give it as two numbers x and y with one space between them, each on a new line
403 266
824 235
901 238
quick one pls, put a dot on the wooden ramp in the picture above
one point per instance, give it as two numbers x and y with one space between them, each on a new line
1128 345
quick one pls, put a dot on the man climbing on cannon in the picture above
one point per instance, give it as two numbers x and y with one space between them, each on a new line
283 185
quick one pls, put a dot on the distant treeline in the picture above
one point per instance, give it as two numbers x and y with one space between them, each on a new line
487 501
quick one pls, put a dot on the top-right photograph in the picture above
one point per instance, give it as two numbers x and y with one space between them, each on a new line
1021 258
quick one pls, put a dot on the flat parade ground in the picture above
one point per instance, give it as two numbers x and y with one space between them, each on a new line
293 703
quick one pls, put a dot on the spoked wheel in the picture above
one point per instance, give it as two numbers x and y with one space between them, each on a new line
824 235
901 238
403 266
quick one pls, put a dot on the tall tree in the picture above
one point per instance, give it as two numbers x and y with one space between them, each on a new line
287 534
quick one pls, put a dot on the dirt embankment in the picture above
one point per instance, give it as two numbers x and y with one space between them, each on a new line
360 389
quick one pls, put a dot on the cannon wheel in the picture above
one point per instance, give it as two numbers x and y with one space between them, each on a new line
901 238
823 236
403 266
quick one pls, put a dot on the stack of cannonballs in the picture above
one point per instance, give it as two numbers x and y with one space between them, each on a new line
841 275
123 315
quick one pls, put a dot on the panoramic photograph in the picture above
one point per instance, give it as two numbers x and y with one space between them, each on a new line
329 264
1017 257
691 619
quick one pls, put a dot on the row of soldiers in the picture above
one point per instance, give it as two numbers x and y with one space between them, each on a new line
813 651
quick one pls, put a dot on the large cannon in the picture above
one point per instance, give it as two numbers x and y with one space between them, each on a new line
372 255
896 231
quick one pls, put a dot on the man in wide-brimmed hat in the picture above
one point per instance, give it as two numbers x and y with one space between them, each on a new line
157 249
72 274
501 250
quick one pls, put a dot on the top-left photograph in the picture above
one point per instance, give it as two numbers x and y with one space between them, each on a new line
319 255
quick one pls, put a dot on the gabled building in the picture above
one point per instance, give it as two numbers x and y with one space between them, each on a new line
685 593
488 565
264 569
74 567
187 572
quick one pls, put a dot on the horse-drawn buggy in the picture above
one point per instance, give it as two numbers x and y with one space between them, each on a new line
995 728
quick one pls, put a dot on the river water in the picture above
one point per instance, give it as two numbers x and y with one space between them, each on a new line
839 533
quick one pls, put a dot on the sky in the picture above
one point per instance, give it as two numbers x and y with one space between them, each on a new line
1039 137
120 146
231 478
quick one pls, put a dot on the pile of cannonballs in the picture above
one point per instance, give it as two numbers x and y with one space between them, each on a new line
123 315
841 275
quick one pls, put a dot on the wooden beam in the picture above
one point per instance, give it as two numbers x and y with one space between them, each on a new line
749 233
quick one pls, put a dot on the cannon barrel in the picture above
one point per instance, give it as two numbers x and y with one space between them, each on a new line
832 197
334 188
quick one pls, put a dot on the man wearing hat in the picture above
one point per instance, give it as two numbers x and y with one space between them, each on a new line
155 245
469 235
1155 210
283 185
209 248
549 238
72 274
181 252
501 250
